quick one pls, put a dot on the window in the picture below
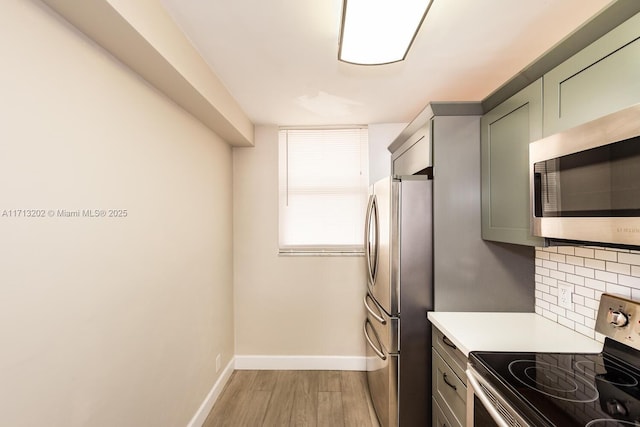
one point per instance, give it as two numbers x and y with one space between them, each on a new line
323 190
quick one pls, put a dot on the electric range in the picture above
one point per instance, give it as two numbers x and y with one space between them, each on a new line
566 390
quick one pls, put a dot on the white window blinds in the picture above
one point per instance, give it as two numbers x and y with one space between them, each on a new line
323 190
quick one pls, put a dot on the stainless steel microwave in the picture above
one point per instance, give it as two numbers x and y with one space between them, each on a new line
585 182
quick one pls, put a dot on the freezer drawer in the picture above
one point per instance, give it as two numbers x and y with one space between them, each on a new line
387 328
382 377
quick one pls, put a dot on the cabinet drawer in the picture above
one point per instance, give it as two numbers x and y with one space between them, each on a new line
599 80
450 353
442 417
449 391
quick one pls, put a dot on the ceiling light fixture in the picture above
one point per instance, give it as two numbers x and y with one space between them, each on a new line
375 32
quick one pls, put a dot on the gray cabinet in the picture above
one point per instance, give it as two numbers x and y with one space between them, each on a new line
449 386
439 417
415 154
506 132
411 151
600 79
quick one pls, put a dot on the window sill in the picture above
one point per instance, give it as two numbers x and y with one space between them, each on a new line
319 252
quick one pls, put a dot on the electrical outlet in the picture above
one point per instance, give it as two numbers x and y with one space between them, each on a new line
565 292
218 361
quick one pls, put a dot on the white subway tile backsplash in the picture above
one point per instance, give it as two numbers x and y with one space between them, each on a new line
591 271
566 322
595 284
612 288
558 275
585 292
566 268
586 312
572 315
541 255
584 252
585 330
558 310
591 303
614 267
549 315
551 299
630 258
567 250
632 282
585 272
542 304
594 263
549 281
605 276
575 260
576 280
606 255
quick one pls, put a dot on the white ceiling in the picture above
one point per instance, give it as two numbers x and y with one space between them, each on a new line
278 58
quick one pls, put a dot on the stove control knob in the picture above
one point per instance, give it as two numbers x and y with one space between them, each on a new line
617 318
615 408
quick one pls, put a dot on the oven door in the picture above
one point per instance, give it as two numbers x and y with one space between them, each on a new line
485 407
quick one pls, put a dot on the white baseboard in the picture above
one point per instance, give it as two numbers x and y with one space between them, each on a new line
204 409
320 363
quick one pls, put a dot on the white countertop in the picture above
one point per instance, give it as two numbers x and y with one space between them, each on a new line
510 332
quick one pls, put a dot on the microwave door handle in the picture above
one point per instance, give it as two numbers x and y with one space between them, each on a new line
479 393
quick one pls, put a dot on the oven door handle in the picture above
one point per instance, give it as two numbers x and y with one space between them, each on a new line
480 394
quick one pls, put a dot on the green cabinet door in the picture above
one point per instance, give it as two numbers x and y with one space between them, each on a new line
506 132
600 79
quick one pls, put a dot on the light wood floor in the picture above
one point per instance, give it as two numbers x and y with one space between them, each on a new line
295 399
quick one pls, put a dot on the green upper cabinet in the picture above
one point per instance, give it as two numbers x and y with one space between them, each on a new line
600 79
506 132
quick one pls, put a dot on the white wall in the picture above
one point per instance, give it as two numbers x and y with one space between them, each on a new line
287 306
105 321
589 271
380 137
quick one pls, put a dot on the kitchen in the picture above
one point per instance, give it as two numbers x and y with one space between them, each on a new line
120 322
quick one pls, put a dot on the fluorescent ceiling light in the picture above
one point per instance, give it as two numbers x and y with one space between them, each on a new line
379 31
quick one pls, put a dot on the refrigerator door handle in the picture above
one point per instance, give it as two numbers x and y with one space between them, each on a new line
376 316
378 352
371 247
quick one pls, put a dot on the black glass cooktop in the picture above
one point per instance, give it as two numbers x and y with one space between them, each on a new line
566 390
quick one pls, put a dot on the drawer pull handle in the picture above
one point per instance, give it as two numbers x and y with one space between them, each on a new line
448 342
453 386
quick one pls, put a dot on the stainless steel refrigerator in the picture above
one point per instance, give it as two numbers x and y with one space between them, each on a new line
399 257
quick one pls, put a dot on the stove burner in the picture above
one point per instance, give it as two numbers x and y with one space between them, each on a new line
607 373
553 381
607 422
